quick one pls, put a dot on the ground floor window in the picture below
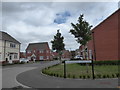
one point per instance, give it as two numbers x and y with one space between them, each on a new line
47 57
41 57
15 56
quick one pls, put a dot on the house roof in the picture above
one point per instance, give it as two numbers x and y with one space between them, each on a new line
40 46
7 37
117 11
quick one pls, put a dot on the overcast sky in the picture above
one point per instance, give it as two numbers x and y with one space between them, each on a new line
32 22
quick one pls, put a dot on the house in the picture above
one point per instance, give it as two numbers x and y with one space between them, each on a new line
66 55
22 55
9 48
38 51
105 37
55 55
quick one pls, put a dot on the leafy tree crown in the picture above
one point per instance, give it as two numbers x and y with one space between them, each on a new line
57 43
81 30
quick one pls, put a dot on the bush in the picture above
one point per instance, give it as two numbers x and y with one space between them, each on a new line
107 62
99 75
104 76
68 75
108 76
74 76
84 76
80 76
88 76
113 75
117 75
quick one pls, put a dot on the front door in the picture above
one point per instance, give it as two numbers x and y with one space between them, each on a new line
10 59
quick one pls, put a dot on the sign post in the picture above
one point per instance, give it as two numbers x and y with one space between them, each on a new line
93 69
83 61
64 69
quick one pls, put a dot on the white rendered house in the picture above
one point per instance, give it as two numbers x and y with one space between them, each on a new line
9 48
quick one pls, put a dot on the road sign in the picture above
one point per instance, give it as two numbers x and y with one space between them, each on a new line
82 61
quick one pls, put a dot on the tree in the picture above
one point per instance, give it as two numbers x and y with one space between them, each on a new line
58 44
81 31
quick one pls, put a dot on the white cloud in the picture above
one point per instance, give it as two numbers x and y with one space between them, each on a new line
34 22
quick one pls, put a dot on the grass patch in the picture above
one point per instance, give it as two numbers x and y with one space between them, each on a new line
80 71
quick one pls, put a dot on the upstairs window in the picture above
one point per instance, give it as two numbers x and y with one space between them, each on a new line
41 51
29 51
47 51
12 45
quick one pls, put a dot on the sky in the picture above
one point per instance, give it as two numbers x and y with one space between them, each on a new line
33 22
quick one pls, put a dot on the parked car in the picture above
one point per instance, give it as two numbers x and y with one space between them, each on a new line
24 60
78 57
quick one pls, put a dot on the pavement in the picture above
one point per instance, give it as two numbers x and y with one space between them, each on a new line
30 76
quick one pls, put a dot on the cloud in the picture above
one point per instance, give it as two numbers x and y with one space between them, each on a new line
39 21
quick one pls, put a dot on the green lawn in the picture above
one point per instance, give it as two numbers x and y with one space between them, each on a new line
79 71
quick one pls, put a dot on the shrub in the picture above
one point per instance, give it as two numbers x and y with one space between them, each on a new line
88 76
107 76
99 75
113 75
74 76
84 76
80 76
106 62
68 76
104 76
117 75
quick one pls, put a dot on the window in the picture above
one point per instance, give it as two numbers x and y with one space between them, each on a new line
41 51
29 51
47 51
12 45
47 57
15 56
41 57
28 58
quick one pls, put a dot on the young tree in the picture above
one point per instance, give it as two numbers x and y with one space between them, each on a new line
81 31
58 43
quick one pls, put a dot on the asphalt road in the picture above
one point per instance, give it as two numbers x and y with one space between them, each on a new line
10 72
35 79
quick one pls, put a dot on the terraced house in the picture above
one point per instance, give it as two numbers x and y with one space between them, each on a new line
9 48
38 51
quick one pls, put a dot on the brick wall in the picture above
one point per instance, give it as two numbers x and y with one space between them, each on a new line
106 39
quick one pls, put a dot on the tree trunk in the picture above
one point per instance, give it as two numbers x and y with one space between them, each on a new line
85 53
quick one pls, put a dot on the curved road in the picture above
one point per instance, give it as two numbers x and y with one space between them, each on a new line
35 79
9 73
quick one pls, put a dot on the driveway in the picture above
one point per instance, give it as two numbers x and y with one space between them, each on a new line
35 79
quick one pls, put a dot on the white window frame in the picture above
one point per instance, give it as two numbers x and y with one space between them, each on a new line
16 56
41 51
41 57
47 57
28 51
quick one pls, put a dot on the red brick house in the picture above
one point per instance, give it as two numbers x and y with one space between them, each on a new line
66 55
22 55
104 44
38 51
